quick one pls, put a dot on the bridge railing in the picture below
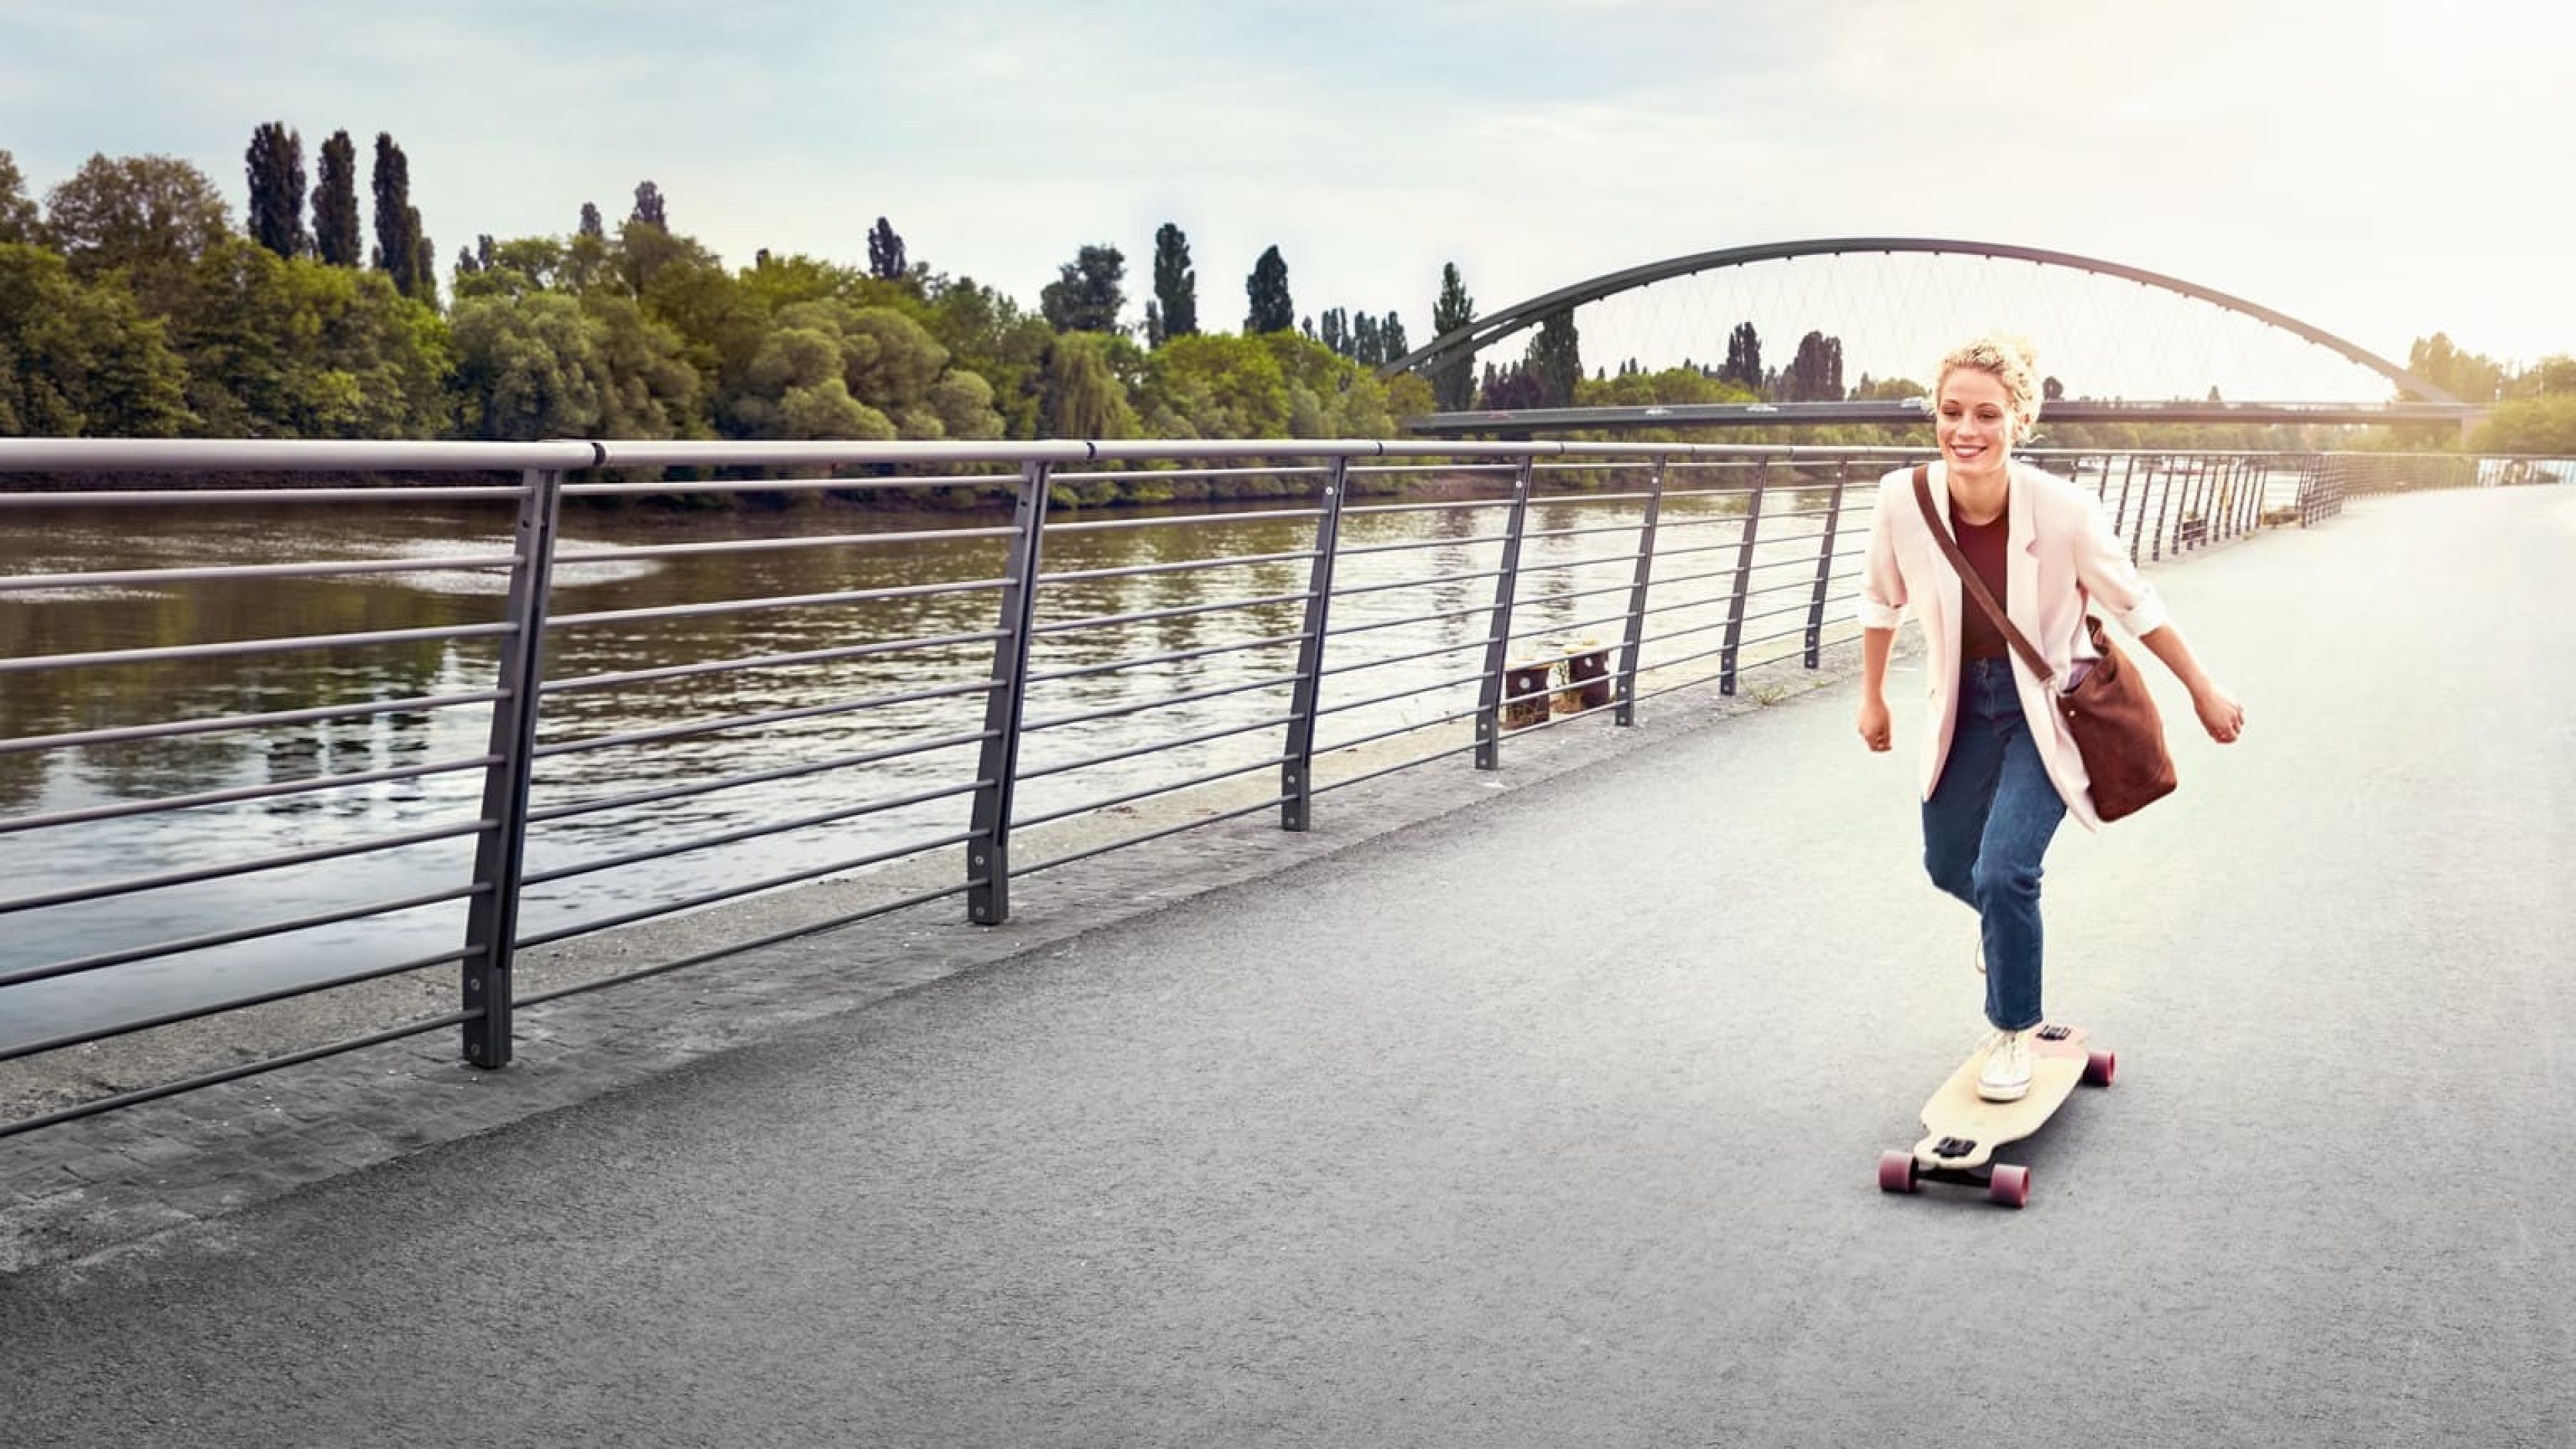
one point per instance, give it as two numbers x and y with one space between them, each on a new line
266 747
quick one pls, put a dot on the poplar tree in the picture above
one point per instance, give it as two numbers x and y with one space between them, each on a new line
648 206
401 252
1176 286
275 166
1453 381
335 202
1743 365
1272 309
1556 358
18 215
885 252
591 225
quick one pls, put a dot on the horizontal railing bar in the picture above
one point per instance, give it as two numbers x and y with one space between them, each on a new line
240 794
174 729
1353 591
788 601
1566 595
1052 862
1039 772
1178 520
566 558
1682 633
693 728
1598 646
1694 682
1445 505
765 661
21 583
222 1075
758 777
1436 650
748 832
1196 696
1417 545
1321 786
709 898
1629 527
1175 656
1138 571
1387 734
1292 470
212 939
789 484
1032 822
773 938
1410 692
167 879
1348 630
234 647
242 1003
1103 621
239 455
1532 567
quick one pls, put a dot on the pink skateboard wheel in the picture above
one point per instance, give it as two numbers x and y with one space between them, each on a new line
1896 1171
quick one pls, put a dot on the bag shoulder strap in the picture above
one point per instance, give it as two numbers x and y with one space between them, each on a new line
1968 577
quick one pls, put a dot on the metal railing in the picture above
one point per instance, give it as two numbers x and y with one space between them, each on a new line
1399 591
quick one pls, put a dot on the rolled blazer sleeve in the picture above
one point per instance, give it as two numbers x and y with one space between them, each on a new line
2103 567
1882 583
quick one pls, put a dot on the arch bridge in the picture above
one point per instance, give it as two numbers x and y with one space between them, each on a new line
2202 310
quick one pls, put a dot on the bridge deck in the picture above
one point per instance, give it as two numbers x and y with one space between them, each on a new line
1553 1122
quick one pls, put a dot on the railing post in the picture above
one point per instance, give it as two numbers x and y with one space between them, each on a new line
1743 579
1825 568
2138 531
997 771
500 850
2164 509
1632 641
1489 693
2128 471
1297 769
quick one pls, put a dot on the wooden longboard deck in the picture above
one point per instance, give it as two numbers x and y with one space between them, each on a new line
1957 1112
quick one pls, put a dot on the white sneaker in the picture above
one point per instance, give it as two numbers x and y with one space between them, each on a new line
2006 1074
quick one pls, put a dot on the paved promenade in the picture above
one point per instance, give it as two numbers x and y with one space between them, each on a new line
1552 1121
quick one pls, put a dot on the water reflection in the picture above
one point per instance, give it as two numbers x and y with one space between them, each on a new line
575 770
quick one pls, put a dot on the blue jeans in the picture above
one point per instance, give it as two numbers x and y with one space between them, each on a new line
1985 828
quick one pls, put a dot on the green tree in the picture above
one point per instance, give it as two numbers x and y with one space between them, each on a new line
1556 357
2467 376
335 202
402 252
1816 371
591 225
20 222
649 206
885 252
1267 287
1743 365
2543 426
81 360
987 333
280 347
1453 377
1084 397
149 217
1086 295
1176 285
275 167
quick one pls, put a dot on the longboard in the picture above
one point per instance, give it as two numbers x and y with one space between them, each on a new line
1961 1130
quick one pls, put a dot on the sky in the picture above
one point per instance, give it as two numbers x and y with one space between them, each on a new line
2380 171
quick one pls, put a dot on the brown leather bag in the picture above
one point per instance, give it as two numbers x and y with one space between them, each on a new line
2114 720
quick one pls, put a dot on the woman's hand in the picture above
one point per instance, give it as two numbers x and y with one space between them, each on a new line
1873 722
2219 712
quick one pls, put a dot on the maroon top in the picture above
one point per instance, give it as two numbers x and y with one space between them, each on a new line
1983 544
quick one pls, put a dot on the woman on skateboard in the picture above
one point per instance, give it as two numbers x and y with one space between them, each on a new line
1999 770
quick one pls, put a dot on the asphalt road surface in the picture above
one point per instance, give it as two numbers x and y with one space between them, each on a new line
1554 1123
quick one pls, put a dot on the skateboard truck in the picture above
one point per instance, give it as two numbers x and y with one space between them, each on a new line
1954 1147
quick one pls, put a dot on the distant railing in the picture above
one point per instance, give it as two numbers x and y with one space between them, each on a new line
1630 570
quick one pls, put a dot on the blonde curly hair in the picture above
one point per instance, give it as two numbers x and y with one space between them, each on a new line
2010 361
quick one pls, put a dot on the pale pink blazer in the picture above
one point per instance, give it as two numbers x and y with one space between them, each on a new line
2059 552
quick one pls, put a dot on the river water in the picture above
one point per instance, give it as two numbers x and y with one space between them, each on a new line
1399 560
1435 553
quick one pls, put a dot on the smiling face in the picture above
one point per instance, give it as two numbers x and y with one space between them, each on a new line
1973 421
